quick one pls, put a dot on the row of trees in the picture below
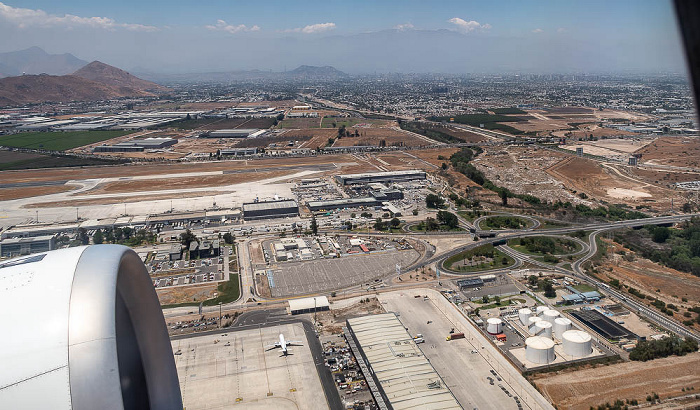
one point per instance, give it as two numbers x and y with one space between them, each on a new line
125 236
680 248
652 349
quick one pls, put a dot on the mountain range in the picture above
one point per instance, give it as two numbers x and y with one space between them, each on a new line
95 81
34 60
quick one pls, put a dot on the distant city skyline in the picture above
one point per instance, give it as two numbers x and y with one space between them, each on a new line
355 37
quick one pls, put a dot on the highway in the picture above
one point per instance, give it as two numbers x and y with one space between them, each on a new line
639 308
430 258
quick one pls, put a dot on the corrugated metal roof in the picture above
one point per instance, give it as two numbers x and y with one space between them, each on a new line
404 373
308 303
261 206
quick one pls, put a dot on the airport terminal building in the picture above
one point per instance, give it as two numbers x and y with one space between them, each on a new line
270 209
393 176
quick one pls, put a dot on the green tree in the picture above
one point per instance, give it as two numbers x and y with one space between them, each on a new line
228 238
434 201
314 225
660 234
532 280
83 236
98 237
379 225
549 291
187 237
504 196
395 222
448 219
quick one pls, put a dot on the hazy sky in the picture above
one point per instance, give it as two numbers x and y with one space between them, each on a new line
354 36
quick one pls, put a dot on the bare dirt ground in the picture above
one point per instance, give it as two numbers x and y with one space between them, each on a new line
300 123
608 183
332 321
318 137
7 194
373 136
187 182
123 200
523 170
431 155
662 177
586 130
632 380
186 294
555 119
675 151
156 169
648 276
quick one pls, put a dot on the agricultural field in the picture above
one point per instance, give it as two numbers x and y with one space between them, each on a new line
221 123
57 141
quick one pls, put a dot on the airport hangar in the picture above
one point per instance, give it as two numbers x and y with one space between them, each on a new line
270 209
393 176
397 372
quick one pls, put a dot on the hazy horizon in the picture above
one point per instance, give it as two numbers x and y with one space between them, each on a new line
362 38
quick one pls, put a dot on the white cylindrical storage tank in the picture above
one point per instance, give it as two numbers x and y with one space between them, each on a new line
577 343
539 350
550 315
524 314
561 325
531 322
540 310
543 328
494 325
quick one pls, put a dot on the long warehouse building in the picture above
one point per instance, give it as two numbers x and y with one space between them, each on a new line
270 209
396 368
391 176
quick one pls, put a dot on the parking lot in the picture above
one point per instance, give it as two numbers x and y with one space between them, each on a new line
226 369
179 273
300 278
461 363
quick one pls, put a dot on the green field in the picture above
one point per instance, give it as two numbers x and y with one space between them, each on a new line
57 141
584 287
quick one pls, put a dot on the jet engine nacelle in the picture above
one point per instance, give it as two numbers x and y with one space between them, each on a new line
82 329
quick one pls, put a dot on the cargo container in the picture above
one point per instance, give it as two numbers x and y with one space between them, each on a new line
454 336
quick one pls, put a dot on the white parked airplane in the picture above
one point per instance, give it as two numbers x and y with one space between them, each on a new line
283 345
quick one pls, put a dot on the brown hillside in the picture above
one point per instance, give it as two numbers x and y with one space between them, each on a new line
106 74
49 88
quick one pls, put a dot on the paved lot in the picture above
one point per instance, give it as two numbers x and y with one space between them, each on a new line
244 375
465 373
299 278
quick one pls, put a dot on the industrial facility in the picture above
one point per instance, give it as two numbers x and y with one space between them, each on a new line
270 209
397 372
308 305
137 145
24 246
233 133
393 176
